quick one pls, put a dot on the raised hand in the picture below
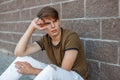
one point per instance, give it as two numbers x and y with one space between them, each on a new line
38 24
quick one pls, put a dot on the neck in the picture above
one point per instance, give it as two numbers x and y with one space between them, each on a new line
56 39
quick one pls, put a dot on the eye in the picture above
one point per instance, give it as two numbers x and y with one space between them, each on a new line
47 23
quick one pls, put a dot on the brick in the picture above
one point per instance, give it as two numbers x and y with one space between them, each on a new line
101 8
111 29
36 38
87 28
25 14
58 0
74 9
10 37
42 2
4 36
29 3
102 51
11 48
12 27
2 17
15 16
14 37
2 1
3 8
21 27
11 5
66 24
8 16
94 70
110 72
4 27
34 12
19 4
4 45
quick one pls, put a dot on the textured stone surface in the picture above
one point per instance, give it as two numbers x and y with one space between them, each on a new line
66 24
101 8
4 27
41 2
11 48
21 27
58 0
10 37
110 72
11 5
94 70
111 29
34 12
4 46
3 7
87 28
73 9
25 14
102 51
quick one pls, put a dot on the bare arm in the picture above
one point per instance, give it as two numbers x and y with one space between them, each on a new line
69 59
23 48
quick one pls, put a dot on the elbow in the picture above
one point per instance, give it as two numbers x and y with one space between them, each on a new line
18 54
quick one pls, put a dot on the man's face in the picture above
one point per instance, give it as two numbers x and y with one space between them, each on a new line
52 26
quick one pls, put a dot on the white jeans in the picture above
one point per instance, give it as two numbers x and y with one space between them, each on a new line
49 72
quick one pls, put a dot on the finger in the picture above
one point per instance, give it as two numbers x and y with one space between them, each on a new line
27 63
20 71
18 66
40 21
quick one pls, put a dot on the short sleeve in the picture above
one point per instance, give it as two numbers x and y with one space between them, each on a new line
41 43
72 42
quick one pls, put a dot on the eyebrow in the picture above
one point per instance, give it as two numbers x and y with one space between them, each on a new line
47 22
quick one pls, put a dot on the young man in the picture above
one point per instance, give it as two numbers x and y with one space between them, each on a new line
62 46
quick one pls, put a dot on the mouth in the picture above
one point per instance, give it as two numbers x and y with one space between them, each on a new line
53 31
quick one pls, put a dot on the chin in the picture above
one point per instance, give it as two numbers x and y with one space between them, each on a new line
55 34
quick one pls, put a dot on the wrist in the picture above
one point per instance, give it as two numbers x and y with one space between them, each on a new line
36 71
32 28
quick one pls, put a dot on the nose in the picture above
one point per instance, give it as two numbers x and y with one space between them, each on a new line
52 25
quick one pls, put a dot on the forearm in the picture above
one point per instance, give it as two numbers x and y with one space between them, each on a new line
23 42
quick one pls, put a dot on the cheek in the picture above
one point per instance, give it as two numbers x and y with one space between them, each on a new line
47 30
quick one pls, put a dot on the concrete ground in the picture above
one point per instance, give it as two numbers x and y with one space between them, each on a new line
5 61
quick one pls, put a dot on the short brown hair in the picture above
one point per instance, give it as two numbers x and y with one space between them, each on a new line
48 12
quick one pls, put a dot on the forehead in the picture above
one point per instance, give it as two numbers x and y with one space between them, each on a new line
48 19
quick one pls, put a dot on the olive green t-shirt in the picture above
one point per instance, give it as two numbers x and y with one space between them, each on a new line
69 41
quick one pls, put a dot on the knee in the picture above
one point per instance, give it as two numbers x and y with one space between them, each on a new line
24 59
48 73
51 69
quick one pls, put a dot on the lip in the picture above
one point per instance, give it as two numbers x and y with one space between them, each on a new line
54 31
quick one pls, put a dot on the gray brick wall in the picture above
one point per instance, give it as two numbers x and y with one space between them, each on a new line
96 21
